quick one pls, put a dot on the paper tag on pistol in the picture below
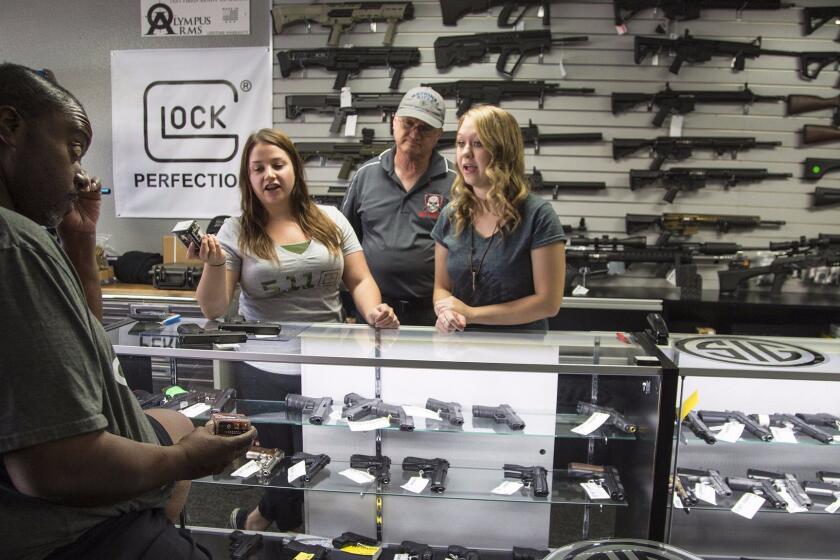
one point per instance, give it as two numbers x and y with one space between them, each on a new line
595 491
416 484
748 505
296 471
507 488
357 476
368 425
592 423
731 432
247 470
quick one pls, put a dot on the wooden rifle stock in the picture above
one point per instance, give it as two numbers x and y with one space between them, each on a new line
819 134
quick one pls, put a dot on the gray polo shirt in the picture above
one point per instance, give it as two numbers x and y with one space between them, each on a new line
394 226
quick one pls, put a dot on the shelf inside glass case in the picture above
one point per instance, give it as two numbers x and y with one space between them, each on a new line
687 437
725 504
461 484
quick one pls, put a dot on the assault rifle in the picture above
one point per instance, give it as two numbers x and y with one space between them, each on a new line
350 61
433 469
823 250
341 17
535 477
688 224
814 18
351 153
680 179
815 168
818 134
537 184
679 148
492 92
453 10
693 50
685 10
753 427
824 196
377 465
465 49
800 104
673 102
384 103
531 137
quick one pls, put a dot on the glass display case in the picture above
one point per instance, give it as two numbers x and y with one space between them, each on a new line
600 479
765 424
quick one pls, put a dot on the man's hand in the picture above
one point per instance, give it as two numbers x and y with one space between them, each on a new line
205 453
383 317
84 214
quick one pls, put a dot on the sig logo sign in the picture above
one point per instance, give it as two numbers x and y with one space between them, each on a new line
749 351
624 549
185 121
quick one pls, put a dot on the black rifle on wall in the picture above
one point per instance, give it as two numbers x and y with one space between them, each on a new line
684 224
467 92
531 137
673 148
341 17
682 179
824 196
350 61
694 50
351 153
453 10
815 168
685 10
537 184
384 103
459 50
680 102
814 18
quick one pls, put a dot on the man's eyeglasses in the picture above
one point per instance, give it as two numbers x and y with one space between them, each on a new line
417 125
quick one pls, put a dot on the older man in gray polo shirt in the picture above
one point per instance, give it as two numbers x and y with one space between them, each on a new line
394 201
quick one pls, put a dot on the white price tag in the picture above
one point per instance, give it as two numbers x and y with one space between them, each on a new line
247 470
345 98
654 60
783 435
592 423
541 12
400 556
507 488
677 502
418 412
373 27
297 471
520 26
195 410
595 491
416 484
561 69
335 416
748 505
368 425
357 476
764 420
621 29
350 125
731 432
706 493
676 125
832 508
580 291
671 277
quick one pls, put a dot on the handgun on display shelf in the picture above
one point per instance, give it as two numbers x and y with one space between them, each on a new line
316 407
267 458
502 414
786 481
350 539
314 463
821 419
243 545
799 425
822 489
456 552
604 475
533 477
448 411
829 477
433 469
759 487
376 465
710 476
700 429
357 407
191 335
396 413
687 496
416 551
616 419
721 417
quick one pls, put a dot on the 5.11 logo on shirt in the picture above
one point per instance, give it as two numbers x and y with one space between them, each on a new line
302 281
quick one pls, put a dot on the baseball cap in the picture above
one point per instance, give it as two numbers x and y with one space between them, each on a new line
425 104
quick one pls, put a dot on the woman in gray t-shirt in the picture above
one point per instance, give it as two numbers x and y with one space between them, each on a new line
500 250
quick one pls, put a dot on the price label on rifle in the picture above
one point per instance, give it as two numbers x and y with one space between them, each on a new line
195 410
357 476
368 425
561 69
706 493
350 127
592 423
832 508
595 491
783 434
580 291
748 505
507 488
416 484
676 125
731 432
419 412
297 471
247 470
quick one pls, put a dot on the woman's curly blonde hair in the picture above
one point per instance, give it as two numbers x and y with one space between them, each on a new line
501 136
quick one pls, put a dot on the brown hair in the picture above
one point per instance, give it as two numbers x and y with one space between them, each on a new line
501 136
314 223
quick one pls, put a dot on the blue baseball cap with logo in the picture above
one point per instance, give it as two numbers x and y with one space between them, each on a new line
425 104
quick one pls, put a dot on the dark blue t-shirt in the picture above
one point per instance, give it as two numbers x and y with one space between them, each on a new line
506 273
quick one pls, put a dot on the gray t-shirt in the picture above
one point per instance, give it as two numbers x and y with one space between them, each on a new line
506 273
301 287
60 378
